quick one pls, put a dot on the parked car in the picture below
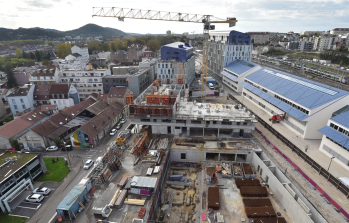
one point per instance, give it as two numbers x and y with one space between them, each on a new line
112 132
13 150
118 126
42 190
88 164
123 121
35 198
52 148
67 148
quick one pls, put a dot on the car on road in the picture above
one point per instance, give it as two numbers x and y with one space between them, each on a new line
42 190
67 148
88 164
123 121
112 132
35 198
52 148
118 126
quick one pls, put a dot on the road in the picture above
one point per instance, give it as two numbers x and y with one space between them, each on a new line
85 154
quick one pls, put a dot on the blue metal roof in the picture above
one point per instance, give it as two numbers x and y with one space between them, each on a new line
309 94
342 119
231 77
335 136
74 194
276 102
240 66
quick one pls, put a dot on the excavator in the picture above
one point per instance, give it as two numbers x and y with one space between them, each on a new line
277 118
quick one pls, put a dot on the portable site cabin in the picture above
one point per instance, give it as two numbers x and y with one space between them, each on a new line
70 205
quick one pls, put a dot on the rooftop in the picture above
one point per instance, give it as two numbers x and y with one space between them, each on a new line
342 119
307 93
68 201
209 111
19 159
59 88
138 181
336 136
20 91
237 67
179 45
21 123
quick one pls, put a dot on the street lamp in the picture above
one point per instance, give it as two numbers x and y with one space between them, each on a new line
67 153
330 163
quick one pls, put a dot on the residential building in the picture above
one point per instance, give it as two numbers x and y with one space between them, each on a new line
177 64
305 46
81 50
339 31
294 45
234 73
86 81
163 108
21 99
44 75
18 176
259 37
322 42
2 109
148 54
310 33
19 126
335 139
224 48
130 57
63 95
104 55
22 78
305 104
168 32
75 57
42 94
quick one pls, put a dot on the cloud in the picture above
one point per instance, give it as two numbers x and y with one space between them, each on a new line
41 3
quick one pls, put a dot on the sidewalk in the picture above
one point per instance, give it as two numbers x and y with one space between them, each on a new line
73 172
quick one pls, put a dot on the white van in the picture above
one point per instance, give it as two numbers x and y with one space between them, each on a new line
210 85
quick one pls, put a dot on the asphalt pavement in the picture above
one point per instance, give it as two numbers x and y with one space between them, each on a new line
46 215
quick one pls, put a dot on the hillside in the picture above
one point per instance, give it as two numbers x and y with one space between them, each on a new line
94 30
38 33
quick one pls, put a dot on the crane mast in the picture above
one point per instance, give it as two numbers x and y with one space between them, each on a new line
207 20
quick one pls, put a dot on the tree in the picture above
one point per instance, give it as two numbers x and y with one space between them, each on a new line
154 45
14 143
57 141
48 56
105 47
11 80
45 62
63 50
303 36
37 55
25 55
50 43
32 56
93 46
19 53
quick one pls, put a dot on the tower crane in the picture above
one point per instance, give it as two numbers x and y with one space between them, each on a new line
207 20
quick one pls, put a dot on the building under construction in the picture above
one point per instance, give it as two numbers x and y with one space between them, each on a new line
166 109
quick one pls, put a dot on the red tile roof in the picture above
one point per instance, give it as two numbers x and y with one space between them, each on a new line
49 71
42 91
19 124
47 107
102 97
74 110
44 128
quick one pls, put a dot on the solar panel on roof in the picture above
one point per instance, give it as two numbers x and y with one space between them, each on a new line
335 136
304 83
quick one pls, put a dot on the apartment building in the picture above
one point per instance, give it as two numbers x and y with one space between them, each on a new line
177 64
21 99
44 75
322 42
86 80
339 31
82 51
305 46
224 48
259 37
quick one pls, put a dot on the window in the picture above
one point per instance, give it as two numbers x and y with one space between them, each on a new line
22 101
23 106
13 101
15 106
183 156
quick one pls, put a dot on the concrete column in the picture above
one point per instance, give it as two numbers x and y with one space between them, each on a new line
219 156
203 131
218 132
236 156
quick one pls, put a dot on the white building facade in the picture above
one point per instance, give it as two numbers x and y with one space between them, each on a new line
21 99
86 81
83 51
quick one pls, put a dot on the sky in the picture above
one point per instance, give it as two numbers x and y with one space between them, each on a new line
252 15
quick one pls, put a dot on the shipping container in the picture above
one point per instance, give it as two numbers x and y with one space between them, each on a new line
213 198
86 182
176 177
69 207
